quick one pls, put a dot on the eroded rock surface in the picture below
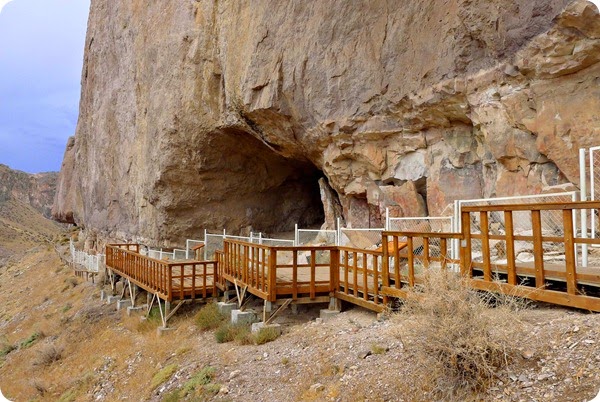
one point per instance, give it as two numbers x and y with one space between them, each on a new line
205 114
37 190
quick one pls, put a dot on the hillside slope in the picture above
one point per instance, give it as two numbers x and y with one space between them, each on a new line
60 342
22 227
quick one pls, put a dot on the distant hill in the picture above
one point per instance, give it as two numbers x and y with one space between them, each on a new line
25 205
36 190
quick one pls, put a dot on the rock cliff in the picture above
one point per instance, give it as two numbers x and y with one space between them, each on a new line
210 114
36 190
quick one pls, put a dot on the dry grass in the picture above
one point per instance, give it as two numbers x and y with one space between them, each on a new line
48 355
209 317
228 332
266 335
457 338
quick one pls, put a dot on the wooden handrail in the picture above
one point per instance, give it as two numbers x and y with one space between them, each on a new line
546 206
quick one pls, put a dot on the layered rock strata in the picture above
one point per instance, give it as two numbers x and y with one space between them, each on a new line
37 190
206 114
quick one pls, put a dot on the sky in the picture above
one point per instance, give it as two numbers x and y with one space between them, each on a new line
41 56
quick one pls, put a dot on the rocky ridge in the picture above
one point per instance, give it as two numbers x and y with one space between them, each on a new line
209 114
37 190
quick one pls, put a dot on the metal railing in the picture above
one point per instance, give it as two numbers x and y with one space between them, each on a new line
89 262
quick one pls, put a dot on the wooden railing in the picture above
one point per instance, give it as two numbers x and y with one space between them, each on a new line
170 280
370 278
360 276
404 264
271 272
563 282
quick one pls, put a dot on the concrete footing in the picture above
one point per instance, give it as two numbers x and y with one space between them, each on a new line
259 326
121 304
294 309
103 295
160 331
242 317
112 299
326 315
226 308
131 310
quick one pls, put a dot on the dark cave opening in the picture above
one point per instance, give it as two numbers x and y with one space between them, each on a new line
255 188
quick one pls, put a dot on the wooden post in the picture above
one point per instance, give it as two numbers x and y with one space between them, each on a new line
365 279
426 252
334 270
346 267
375 279
272 274
313 274
295 275
385 268
443 253
485 245
411 261
397 281
538 250
570 252
510 247
355 273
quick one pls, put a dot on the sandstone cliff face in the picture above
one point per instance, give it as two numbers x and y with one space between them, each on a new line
205 114
37 190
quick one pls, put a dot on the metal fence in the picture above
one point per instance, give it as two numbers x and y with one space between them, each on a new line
522 225
189 245
364 238
436 224
594 179
315 237
213 242
90 262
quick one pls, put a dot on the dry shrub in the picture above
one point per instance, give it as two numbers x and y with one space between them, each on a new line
228 332
457 339
48 355
265 335
209 317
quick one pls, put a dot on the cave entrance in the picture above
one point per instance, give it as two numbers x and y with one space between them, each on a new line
258 189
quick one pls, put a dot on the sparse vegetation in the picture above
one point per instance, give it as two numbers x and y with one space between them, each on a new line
209 317
163 375
6 348
265 335
31 340
48 355
67 307
459 342
228 332
377 349
200 386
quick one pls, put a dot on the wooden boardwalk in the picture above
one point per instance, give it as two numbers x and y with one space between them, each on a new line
373 278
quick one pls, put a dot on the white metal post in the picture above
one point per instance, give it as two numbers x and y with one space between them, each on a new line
296 235
387 218
583 197
456 229
205 245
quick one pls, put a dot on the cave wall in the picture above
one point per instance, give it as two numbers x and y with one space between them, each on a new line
206 114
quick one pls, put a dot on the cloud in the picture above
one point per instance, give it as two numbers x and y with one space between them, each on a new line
3 3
